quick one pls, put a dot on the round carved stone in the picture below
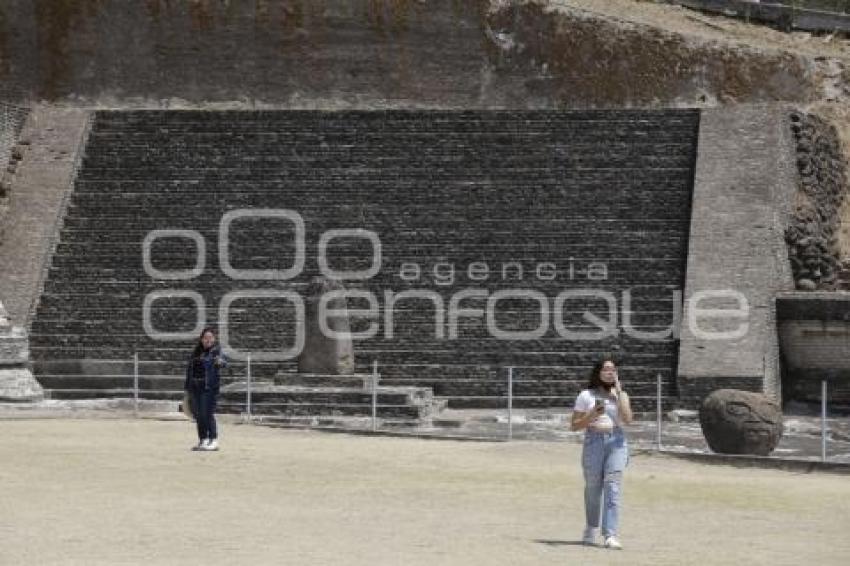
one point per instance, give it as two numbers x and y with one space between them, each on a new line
740 422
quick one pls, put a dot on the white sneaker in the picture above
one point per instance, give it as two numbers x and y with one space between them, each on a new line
589 536
212 445
200 445
612 543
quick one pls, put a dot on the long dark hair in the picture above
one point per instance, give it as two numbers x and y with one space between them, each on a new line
199 345
595 381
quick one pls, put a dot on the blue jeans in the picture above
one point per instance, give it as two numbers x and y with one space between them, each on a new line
203 407
603 459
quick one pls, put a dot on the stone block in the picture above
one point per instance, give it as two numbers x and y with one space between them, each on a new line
19 385
740 422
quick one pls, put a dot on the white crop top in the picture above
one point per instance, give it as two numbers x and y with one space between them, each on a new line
606 421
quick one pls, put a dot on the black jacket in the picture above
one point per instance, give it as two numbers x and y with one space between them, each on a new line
204 373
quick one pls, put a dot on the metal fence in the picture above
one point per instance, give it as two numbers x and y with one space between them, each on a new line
834 6
502 429
838 6
825 16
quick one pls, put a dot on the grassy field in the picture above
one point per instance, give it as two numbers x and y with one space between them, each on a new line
131 492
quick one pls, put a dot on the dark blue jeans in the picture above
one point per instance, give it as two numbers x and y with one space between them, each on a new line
203 407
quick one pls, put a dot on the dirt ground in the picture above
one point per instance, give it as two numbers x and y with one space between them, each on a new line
829 55
131 492
707 27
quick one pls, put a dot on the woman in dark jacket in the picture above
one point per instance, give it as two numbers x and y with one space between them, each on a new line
202 382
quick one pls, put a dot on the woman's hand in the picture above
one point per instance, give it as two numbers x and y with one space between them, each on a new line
581 420
624 407
622 398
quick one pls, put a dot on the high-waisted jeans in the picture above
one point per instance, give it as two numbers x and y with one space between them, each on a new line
604 457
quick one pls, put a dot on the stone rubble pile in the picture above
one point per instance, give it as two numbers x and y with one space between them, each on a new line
812 237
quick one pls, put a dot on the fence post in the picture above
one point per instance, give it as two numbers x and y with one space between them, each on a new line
136 383
510 403
658 411
823 421
248 392
374 395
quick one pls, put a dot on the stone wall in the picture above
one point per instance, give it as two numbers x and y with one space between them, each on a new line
465 206
17 383
812 237
814 329
743 186
12 117
372 54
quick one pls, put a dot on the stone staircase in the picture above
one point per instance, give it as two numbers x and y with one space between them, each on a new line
290 397
476 192
94 379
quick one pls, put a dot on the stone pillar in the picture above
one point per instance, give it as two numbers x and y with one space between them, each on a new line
16 381
322 354
744 183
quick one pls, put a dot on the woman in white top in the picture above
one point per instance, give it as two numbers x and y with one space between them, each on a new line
601 410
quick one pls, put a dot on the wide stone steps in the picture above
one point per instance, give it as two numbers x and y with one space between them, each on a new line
405 402
455 365
618 136
426 175
147 383
568 366
56 307
642 210
461 162
139 286
163 386
403 320
477 336
438 187
471 174
586 131
530 388
325 124
600 181
92 392
639 404
450 158
250 336
446 387
422 145
415 403
116 198
636 270
303 402
307 134
136 207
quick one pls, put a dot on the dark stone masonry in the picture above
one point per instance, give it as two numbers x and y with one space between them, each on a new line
813 235
464 209
11 152
374 54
